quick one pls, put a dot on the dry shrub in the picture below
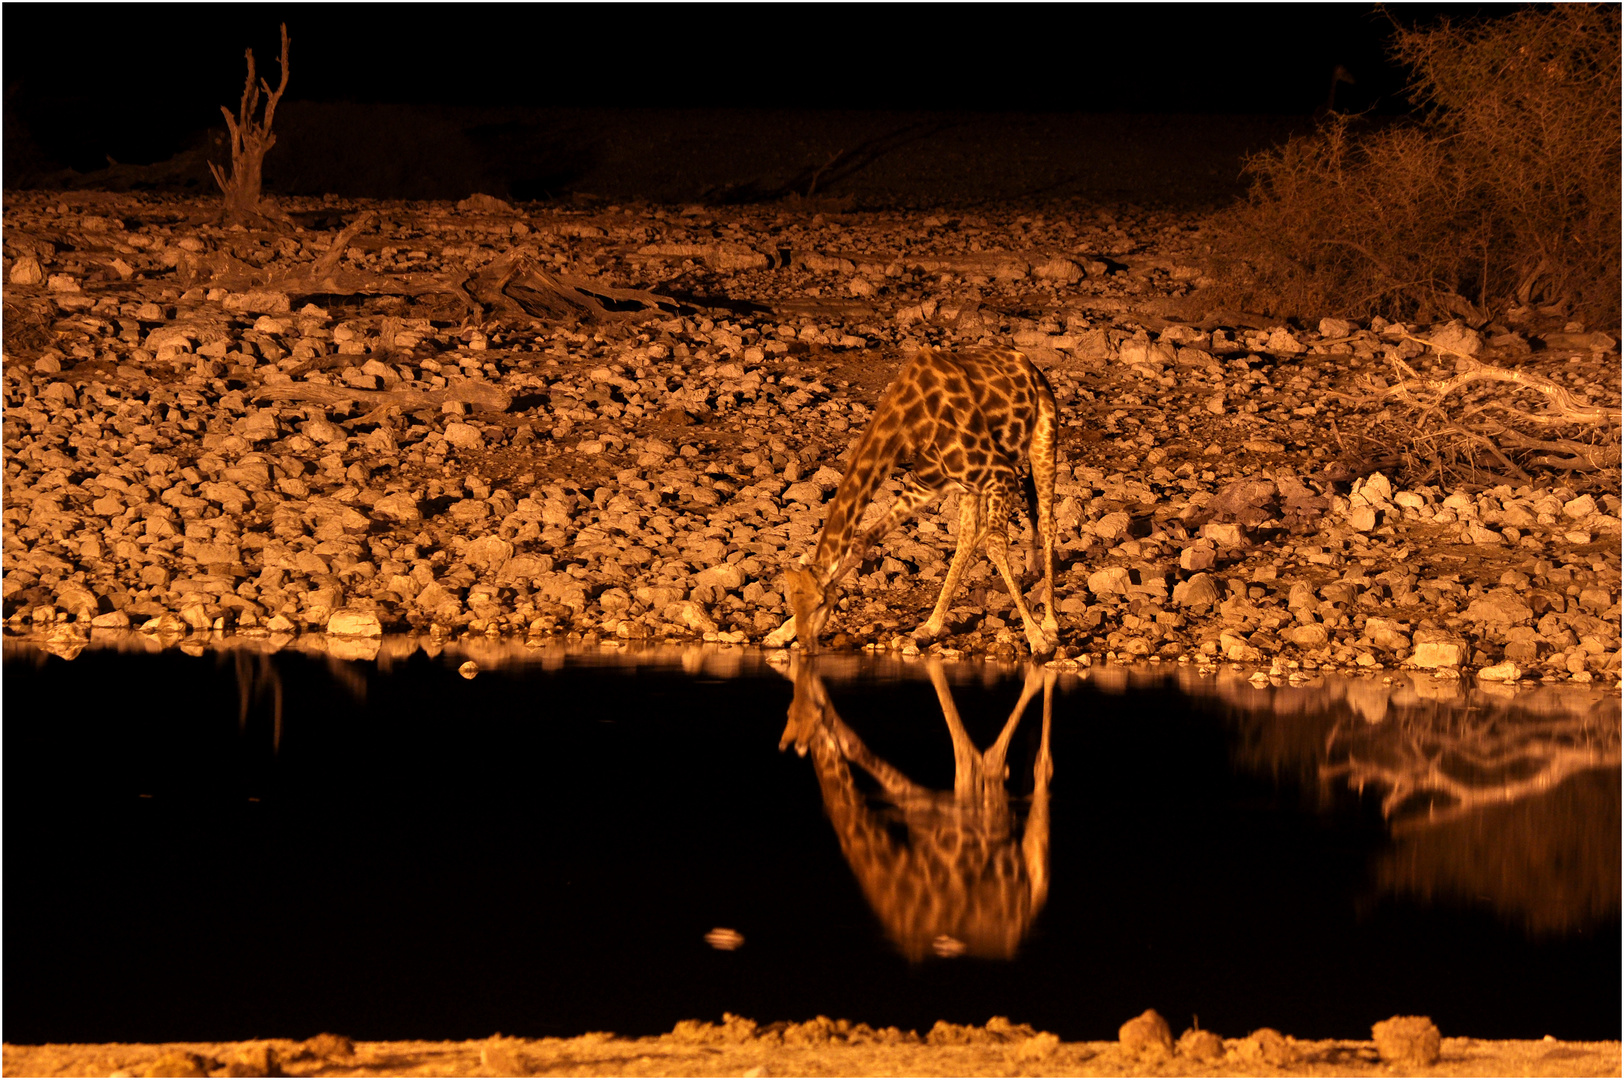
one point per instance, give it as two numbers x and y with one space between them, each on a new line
1503 192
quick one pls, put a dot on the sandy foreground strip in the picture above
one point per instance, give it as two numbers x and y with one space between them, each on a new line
601 1054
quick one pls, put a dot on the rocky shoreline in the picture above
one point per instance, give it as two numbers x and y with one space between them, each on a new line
591 421
1410 1046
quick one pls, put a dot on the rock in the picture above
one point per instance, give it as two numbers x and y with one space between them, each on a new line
177 1063
1501 607
1146 1035
1281 341
468 669
1335 328
398 507
1581 507
27 271
464 436
1377 489
1456 337
62 283
691 614
1200 590
804 492
1112 525
1062 270
112 620
1267 1046
1437 654
1307 636
1226 535
487 553
726 576
1407 1040
326 1046
1502 672
1197 557
354 622
1109 581
484 204
255 1059
1362 518
1200 1045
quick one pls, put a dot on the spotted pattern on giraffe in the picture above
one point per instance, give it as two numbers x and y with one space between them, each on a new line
978 421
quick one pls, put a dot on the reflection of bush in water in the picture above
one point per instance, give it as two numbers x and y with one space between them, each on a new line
1549 861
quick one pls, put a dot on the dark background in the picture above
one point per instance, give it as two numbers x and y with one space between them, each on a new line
142 83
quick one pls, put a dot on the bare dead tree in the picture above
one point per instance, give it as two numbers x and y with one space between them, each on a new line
250 139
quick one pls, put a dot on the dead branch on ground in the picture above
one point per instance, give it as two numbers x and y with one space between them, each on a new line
1453 438
471 392
518 287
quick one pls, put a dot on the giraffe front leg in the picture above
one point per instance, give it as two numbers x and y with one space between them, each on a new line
998 552
971 519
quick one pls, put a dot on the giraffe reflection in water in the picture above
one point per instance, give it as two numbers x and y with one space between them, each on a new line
947 872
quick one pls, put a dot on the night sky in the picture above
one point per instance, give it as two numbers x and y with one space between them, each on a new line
141 81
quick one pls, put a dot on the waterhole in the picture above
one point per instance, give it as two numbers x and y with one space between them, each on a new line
247 843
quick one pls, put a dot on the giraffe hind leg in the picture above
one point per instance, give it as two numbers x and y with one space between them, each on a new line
1043 453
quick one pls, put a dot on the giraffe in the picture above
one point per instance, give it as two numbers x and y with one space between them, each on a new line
977 420
957 877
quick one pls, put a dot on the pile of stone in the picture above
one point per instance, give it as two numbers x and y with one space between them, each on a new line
199 440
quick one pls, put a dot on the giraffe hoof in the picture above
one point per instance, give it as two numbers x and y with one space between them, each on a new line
1043 648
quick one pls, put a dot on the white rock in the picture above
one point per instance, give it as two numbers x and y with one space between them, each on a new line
727 575
1335 328
1224 534
465 436
1281 341
1112 579
1581 507
1200 589
487 552
1112 525
27 271
1437 654
1457 337
1506 671
1307 636
399 507
354 622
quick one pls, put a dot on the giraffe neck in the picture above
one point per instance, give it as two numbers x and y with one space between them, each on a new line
877 451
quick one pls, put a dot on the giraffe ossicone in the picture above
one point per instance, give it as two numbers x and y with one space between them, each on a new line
979 421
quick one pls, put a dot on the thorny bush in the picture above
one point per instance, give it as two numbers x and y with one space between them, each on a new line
1503 193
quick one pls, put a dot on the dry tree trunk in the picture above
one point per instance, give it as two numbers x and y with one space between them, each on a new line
250 139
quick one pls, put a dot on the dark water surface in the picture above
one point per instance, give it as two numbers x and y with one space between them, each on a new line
240 845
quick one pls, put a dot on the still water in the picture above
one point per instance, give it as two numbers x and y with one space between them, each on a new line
246 844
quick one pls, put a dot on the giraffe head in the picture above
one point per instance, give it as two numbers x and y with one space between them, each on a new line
809 601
